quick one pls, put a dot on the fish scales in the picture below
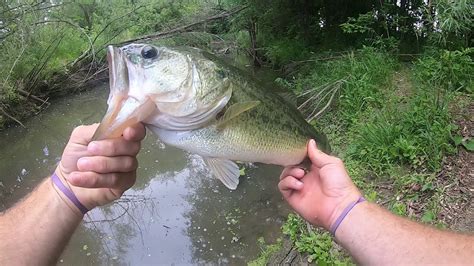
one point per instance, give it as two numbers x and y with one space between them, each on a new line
194 101
273 132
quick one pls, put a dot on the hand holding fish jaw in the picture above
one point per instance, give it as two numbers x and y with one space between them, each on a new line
98 172
321 194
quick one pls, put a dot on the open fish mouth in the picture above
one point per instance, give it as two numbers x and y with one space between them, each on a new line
123 110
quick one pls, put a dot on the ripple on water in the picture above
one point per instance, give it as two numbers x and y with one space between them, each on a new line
176 212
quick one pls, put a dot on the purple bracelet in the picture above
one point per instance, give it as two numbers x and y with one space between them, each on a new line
341 217
68 193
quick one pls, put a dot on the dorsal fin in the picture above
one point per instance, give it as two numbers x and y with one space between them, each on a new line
235 110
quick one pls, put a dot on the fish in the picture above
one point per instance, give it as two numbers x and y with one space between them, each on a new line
195 101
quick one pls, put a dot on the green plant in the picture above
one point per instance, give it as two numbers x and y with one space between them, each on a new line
418 137
364 23
455 21
468 143
285 50
266 251
450 70
399 208
317 245
364 72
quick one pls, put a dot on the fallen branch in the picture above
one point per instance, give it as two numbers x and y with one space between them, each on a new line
11 117
36 98
184 28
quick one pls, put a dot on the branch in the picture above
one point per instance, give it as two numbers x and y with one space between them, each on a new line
29 95
185 28
11 117
17 59
112 21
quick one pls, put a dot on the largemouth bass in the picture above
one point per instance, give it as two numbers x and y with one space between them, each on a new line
192 100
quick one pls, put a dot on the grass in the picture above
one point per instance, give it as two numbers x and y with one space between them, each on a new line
266 250
392 136
417 137
317 244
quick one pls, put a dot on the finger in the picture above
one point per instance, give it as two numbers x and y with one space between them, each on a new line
83 134
288 185
293 171
96 180
114 147
320 158
102 164
134 133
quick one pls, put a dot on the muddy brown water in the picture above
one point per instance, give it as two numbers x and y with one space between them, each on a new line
175 214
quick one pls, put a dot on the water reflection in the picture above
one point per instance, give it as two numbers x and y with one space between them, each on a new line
176 213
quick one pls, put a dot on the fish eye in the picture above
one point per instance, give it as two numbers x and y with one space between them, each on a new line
149 52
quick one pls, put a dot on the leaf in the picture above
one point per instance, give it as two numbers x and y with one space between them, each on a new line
469 144
428 216
427 186
242 171
457 140
85 247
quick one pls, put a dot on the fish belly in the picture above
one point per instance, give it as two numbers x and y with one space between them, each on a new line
237 146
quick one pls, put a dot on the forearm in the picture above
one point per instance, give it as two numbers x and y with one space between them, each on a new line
372 235
38 228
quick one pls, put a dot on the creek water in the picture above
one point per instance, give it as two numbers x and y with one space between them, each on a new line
176 213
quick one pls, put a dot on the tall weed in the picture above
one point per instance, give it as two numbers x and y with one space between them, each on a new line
417 136
451 70
318 246
365 72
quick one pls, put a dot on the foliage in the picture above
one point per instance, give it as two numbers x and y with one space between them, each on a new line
468 143
41 39
455 22
364 72
377 130
451 70
418 137
318 246
266 250
363 24
285 50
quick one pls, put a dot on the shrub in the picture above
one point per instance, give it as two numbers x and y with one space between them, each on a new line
451 70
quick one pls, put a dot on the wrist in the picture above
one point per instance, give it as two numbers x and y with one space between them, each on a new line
61 200
69 193
341 206
354 221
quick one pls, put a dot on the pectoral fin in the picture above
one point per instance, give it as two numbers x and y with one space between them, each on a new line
226 170
235 110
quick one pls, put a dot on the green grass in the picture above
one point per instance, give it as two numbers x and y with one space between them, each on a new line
364 72
448 70
387 133
266 251
417 137
316 244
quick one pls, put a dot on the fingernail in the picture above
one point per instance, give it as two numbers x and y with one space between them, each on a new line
312 143
93 147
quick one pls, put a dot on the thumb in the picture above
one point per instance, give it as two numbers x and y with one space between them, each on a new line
82 134
317 157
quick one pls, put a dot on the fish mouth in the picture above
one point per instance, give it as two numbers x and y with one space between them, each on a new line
123 110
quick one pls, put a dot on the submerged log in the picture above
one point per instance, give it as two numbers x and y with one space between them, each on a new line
28 95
